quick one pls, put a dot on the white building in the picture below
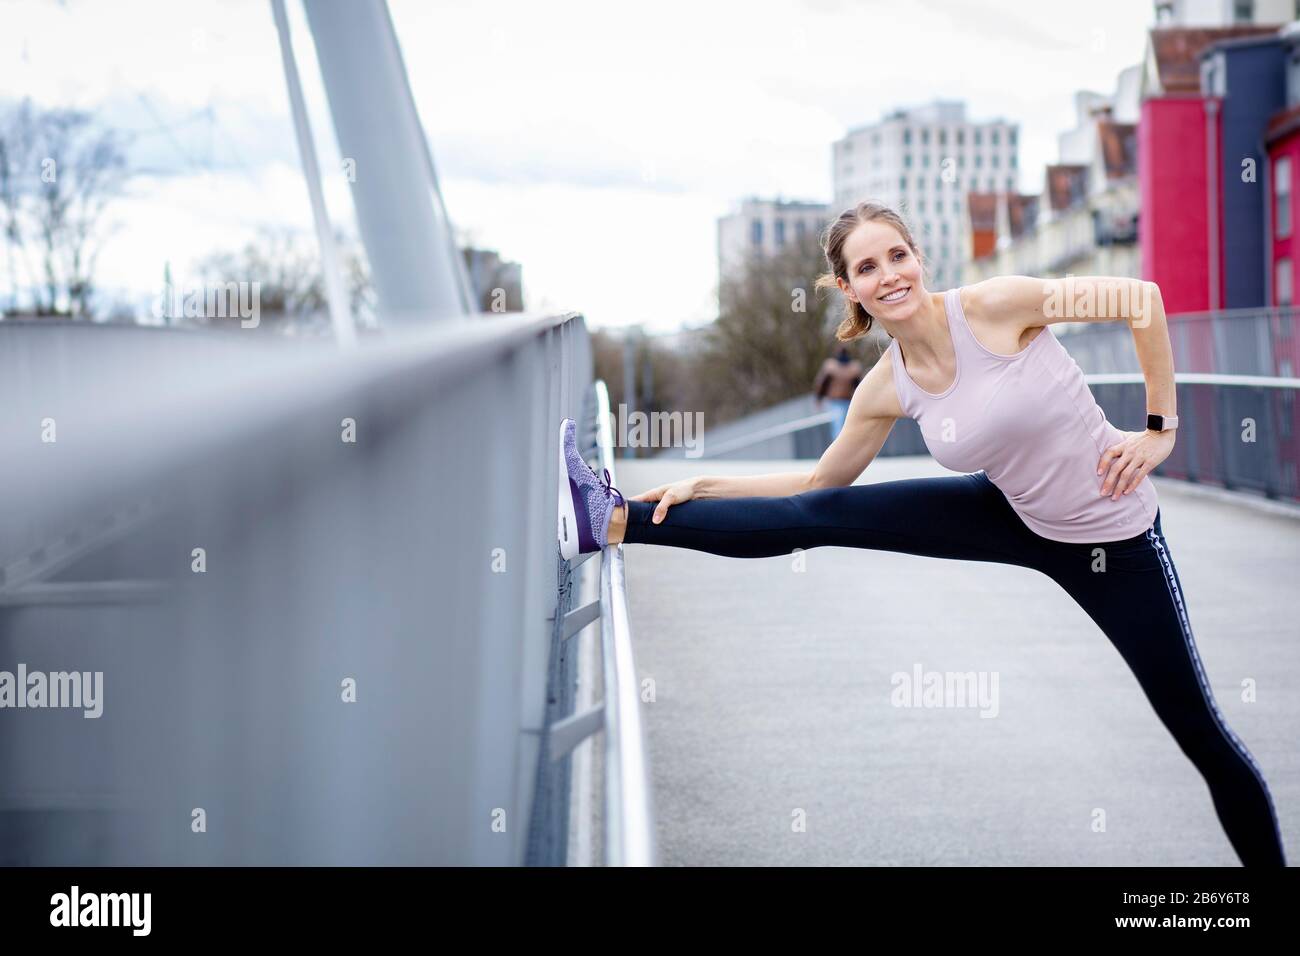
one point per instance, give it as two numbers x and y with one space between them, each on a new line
764 227
1223 13
922 162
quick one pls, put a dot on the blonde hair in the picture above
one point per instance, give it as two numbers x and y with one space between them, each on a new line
857 320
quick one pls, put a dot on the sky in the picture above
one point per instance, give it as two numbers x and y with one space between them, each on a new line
594 143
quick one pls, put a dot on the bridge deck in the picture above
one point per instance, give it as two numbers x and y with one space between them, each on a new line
773 697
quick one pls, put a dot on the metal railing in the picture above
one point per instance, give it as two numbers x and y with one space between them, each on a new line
628 814
1264 342
1236 431
379 523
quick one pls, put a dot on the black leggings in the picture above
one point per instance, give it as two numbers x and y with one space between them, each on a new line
1138 602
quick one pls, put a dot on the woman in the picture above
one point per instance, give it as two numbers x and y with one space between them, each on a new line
1050 484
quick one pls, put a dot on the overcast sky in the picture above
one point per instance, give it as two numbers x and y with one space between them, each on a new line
595 143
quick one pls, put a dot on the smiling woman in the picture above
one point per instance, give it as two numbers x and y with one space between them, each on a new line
1047 483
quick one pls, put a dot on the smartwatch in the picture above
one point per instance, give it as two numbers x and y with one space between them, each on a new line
1162 423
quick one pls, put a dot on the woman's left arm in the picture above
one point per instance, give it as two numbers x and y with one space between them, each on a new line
1129 461
1023 302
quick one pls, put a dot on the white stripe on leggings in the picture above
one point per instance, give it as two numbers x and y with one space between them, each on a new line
1171 582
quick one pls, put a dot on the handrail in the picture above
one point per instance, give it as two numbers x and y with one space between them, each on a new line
1195 378
253 450
268 386
773 431
1115 378
629 834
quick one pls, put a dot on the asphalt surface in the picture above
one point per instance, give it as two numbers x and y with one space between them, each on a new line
773 740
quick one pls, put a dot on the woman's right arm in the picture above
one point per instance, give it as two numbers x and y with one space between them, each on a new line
871 416
743 486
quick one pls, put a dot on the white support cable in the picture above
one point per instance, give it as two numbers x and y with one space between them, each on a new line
340 312
460 272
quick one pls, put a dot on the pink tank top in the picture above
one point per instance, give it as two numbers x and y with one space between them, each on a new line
1030 423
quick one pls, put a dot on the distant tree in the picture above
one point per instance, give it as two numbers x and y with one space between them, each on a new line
771 336
285 264
58 173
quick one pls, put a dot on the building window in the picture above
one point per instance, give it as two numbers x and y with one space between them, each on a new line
994 137
1011 183
1243 11
875 139
902 182
977 137
799 229
961 137
1282 197
780 232
1011 161
979 160
925 137
994 159
943 133
1282 290
925 159
956 207
756 232
907 137
907 160
938 182
920 205
1011 136
961 162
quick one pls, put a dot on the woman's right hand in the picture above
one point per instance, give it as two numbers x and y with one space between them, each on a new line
667 496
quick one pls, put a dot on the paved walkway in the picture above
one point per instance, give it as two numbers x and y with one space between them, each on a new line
773 739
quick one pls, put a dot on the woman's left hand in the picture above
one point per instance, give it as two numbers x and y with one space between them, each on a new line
1128 461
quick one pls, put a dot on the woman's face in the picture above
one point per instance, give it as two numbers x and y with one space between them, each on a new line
884 273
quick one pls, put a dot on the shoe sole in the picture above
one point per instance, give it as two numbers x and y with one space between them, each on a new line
567 532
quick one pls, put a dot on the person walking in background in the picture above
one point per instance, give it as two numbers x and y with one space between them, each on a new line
836 382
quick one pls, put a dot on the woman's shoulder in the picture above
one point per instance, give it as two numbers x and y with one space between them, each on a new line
1002 296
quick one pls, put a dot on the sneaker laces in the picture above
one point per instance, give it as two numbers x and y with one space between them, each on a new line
609 489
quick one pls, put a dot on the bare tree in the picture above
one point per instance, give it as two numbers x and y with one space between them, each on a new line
772 334
58 173
285 264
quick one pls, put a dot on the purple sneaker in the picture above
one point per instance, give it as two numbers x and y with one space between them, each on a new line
586 501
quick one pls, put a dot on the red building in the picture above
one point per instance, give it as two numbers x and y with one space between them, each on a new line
1180 229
